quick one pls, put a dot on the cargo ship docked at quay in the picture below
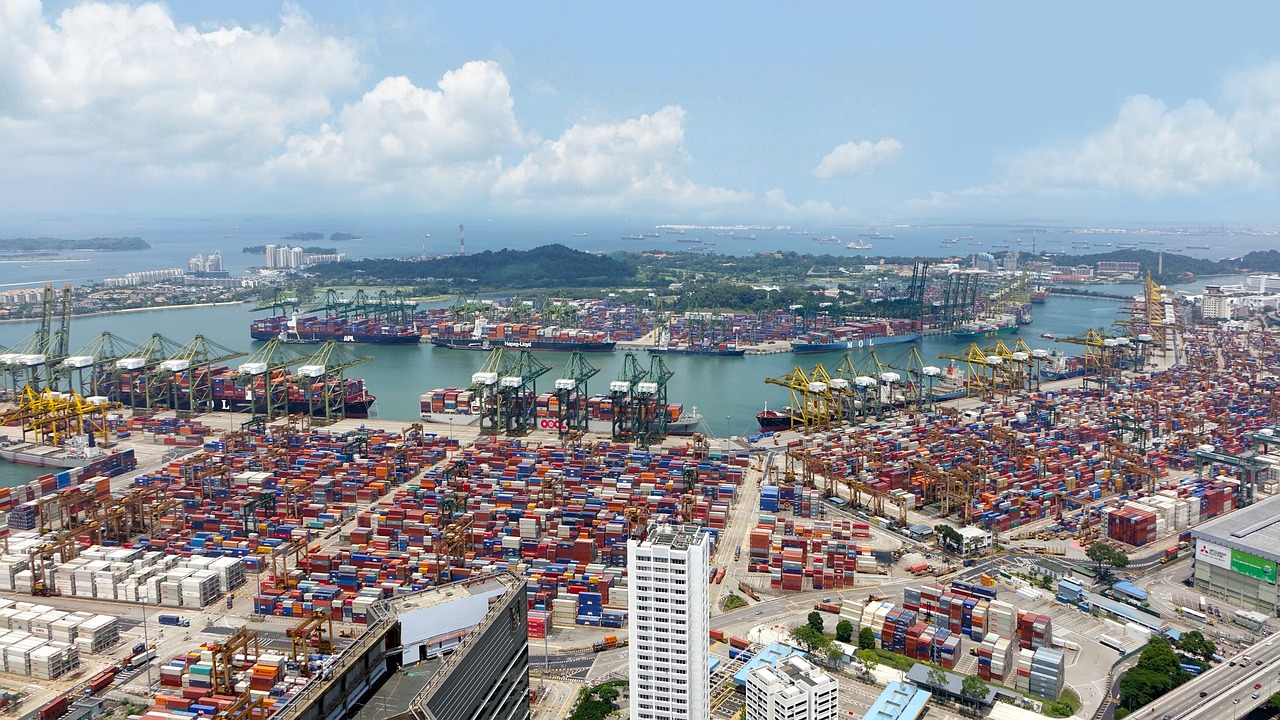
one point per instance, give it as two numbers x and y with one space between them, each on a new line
862 335
461 407
242 391
708 350
484 337
311 329
1006 324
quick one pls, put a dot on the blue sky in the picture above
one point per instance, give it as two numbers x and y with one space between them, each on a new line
865 113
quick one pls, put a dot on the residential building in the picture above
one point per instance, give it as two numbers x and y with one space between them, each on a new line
792 689
669 606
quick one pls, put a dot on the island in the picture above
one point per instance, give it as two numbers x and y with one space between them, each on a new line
48 244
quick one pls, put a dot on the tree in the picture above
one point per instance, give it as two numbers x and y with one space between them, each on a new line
1103 553
937 677
1194 642
1275 702
816 622
844 631
810 639
868 660
608 694
973 689
866 639
949 538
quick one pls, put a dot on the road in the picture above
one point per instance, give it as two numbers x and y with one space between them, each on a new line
1224 691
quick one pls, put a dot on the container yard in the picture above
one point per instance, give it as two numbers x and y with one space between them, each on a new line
252 554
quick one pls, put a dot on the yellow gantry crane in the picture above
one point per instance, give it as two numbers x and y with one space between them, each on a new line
811 400
55 417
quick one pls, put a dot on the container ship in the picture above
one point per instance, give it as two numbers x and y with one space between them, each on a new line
867 334
312 329
460 406
233 391
719 350
1040 296
774 420
482 336
1062 367
1003 325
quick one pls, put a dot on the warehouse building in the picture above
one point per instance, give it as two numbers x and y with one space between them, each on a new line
1236 556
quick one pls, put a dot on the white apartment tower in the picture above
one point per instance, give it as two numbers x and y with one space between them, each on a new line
792 689
670 611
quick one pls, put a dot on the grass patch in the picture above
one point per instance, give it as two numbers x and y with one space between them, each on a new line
894 660
733 602
1065 706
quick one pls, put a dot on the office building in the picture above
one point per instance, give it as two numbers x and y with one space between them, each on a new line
792 689
670 610
1236 557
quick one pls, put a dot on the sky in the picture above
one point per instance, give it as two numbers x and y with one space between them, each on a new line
762 112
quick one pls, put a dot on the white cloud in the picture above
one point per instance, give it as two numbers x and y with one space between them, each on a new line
854 158
635 162
1150 151
131 89
402 138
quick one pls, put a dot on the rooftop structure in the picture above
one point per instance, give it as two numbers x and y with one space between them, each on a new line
792 689
899 701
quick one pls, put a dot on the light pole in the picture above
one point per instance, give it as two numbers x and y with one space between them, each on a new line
728 430
146 640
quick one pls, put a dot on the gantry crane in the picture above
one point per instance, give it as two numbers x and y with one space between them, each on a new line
184 380
986 375
240 642
455 543
60 419
323 378
811 401
297 549
83 371
265 375
127 380
31 363
571 392
649 404
620 392
1099 357
518 390
314 631
484 386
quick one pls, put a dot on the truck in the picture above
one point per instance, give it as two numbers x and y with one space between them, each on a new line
174 620
53 709
826 607
608 643
140 659
919 569
102 680
1169 554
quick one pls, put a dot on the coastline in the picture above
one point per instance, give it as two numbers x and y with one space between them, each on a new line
138 310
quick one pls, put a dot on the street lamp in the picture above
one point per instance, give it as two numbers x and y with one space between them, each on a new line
728 427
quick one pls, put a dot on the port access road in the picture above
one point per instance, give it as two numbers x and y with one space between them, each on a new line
1225 690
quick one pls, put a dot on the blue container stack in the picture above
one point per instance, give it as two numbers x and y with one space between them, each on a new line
590 609
769 498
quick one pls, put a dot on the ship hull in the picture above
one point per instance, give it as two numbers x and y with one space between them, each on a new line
770 420
684 426
963 335
859 344
485 345
711 352
354 338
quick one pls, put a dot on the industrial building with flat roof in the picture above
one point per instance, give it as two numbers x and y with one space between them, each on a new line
1236 556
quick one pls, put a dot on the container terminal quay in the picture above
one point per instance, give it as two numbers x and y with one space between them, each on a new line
304 564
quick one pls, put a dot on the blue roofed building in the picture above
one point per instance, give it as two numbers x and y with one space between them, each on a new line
769 656
899 701
1127 590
